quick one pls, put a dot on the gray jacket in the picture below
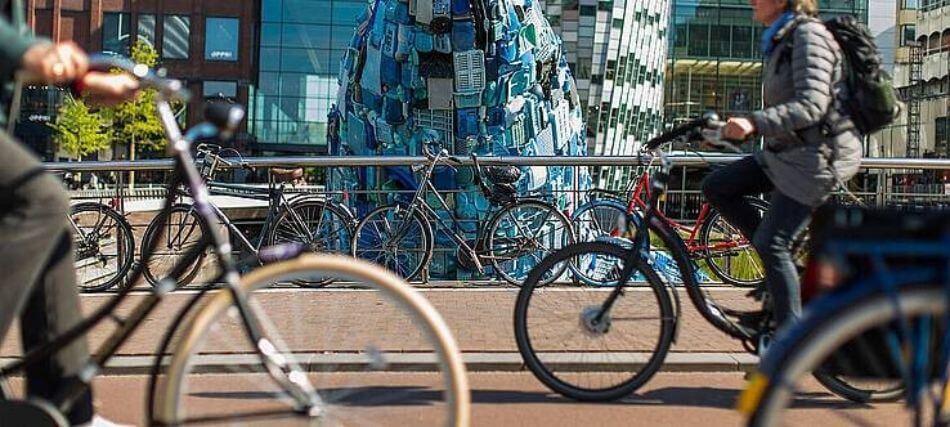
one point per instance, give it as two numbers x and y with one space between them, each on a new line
802 123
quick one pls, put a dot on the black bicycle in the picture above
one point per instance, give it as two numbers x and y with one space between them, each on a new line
318 223
520 231
629 319
247 355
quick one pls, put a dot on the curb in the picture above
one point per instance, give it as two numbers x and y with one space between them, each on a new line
425 362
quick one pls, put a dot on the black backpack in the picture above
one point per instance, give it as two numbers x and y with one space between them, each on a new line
872 103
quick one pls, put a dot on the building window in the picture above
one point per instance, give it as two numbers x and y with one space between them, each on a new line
115 33
175 41
218 89
221 39
146 29
908 34
588 10
909 4
942 136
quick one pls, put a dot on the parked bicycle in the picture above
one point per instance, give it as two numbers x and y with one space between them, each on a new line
519 232
320 224
708 238
103 244
238 342
632 316
884 317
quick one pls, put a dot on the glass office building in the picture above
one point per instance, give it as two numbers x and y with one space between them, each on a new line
715 60
301 44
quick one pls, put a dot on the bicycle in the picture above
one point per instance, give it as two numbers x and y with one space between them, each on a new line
103 244
615 264
519 232
266 369
885 317
710 238
320 224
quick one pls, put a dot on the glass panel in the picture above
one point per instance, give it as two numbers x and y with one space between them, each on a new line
115 33
176 37
270 59
221 39
270 34
308 36
270 10
311 61
212 89
146 29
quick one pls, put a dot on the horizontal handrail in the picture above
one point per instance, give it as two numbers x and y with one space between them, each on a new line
338 161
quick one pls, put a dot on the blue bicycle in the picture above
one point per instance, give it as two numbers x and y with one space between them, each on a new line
885 318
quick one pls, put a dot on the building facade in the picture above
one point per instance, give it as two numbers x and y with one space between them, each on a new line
922 75
715 59
301 45
209 45
617 51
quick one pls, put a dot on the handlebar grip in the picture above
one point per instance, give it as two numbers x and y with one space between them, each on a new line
455 160
706 120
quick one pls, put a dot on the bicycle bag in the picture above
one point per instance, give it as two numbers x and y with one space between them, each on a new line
872 354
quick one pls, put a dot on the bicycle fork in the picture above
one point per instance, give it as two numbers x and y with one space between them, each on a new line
287 375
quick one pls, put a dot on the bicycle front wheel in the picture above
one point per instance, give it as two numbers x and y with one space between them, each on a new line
317 224
380 355
103 244
521 234
581 348
394 238
869 324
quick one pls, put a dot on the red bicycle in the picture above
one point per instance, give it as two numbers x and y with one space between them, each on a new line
709 238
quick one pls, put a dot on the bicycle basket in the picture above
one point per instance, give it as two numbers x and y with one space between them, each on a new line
502 193
503 174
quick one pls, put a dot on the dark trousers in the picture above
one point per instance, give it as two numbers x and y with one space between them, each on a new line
772 235
37 278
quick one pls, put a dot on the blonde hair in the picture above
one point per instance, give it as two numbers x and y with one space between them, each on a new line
806 7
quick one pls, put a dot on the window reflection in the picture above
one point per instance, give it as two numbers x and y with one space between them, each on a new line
177 32
221 39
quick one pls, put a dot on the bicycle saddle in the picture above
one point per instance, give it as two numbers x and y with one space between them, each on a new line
286 175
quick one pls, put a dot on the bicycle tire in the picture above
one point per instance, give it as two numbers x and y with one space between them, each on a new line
124 242
426 238
173 390
551 379
154 275
800 358
842 387
706 233
495 241
336 215
599 218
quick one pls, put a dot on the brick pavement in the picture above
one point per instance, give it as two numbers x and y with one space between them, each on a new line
320 320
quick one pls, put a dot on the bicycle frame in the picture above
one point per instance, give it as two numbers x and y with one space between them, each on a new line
636 202
184 173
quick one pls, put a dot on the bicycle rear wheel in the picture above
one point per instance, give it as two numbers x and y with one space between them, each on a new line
182 230
103 245
578 350
521 234
729 254
393 238
381 355
317 224
600 218
770 401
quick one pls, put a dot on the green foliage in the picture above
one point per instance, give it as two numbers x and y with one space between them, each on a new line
136 121
79 131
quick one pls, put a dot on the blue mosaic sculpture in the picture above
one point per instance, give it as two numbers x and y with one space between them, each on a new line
479 76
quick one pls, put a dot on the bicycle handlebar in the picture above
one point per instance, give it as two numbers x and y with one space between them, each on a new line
171 89
707 120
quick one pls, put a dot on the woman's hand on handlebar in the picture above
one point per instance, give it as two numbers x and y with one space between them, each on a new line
54 64
738 129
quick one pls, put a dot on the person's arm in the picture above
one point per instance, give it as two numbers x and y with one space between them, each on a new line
813 64
13 45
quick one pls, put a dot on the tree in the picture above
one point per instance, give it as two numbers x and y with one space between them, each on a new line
136 122
79 131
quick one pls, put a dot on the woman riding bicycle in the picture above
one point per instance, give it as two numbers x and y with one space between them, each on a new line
38 280
810 145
